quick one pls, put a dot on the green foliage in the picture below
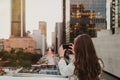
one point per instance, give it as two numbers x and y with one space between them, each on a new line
19 58
2 73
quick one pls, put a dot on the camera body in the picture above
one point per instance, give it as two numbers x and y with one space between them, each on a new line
67 46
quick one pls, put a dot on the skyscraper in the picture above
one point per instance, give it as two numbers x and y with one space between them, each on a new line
42 27
18 18
90 12
118 13
115 15
81 21
64 21
99 7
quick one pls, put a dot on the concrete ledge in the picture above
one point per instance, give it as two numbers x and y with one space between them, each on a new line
111 75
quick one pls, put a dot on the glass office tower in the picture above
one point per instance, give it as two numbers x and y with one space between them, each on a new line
115 15
118 13
87 16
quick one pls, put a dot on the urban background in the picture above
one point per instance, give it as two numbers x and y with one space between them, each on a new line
98 18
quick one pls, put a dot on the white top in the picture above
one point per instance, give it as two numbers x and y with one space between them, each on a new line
68 70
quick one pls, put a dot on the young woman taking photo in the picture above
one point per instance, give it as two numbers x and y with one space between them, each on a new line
86 65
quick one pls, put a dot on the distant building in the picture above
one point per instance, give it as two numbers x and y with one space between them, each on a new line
25 43
40 41
18 18
115 15
42 27
43 30
118 13
92 13
36 35
43 44
64 20
1 44
59 35
53 39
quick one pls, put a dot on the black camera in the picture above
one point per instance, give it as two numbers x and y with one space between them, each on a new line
67 46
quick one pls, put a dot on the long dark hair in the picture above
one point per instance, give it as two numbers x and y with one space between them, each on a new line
86 63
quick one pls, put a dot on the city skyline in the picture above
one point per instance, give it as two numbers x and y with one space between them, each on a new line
50 12
39 11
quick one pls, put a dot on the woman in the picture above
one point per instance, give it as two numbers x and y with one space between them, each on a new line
85 65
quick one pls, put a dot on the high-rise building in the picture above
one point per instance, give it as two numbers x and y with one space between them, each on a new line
18 18
115 15
118 13
81 21
53 39
36 35
85 17
99 7
59 35
43 30
1 44
42 27
64 21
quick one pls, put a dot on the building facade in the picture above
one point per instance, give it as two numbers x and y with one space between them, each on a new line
53 39
64 21
25 43
36 35
118 13
59 35
43 27
115 15
81 21
89 12
18 18
1 44
43 30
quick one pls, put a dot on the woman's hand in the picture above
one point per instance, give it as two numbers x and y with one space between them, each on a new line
61 51
72 48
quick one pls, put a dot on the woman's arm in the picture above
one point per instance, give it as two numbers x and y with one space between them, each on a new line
66 70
